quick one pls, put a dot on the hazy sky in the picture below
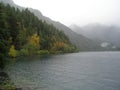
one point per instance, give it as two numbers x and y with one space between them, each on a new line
80 12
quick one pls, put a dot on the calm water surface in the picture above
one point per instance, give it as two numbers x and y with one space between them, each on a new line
77 71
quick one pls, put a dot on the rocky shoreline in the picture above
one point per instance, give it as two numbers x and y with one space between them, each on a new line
6 83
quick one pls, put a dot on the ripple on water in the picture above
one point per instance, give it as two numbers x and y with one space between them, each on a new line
77 71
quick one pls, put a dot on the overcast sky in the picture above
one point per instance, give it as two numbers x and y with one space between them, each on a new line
80 12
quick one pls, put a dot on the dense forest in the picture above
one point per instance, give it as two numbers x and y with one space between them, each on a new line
22 33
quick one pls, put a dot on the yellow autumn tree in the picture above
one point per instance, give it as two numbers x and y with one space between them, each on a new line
34 40
32 45
59 45
12 52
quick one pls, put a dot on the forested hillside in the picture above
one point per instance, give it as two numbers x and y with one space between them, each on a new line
81 42
22 33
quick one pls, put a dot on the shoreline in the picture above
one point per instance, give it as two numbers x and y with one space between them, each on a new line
6 83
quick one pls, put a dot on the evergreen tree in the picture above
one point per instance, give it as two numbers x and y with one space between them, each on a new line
24 32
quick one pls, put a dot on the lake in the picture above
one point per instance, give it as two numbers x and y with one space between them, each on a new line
76 71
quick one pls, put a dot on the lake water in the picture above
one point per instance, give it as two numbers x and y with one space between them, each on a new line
76 71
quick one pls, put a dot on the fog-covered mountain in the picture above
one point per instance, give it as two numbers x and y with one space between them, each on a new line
101 33
78 40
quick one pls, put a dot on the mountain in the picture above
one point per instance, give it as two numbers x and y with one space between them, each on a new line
78 40
101 33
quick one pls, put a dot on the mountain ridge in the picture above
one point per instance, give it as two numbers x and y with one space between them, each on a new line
102 33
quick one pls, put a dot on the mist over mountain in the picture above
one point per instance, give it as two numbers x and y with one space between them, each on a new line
7 2
101 33
80 41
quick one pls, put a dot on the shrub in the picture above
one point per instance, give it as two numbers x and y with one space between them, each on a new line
23 52
43 52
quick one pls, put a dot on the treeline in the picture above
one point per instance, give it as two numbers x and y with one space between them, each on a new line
22 33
